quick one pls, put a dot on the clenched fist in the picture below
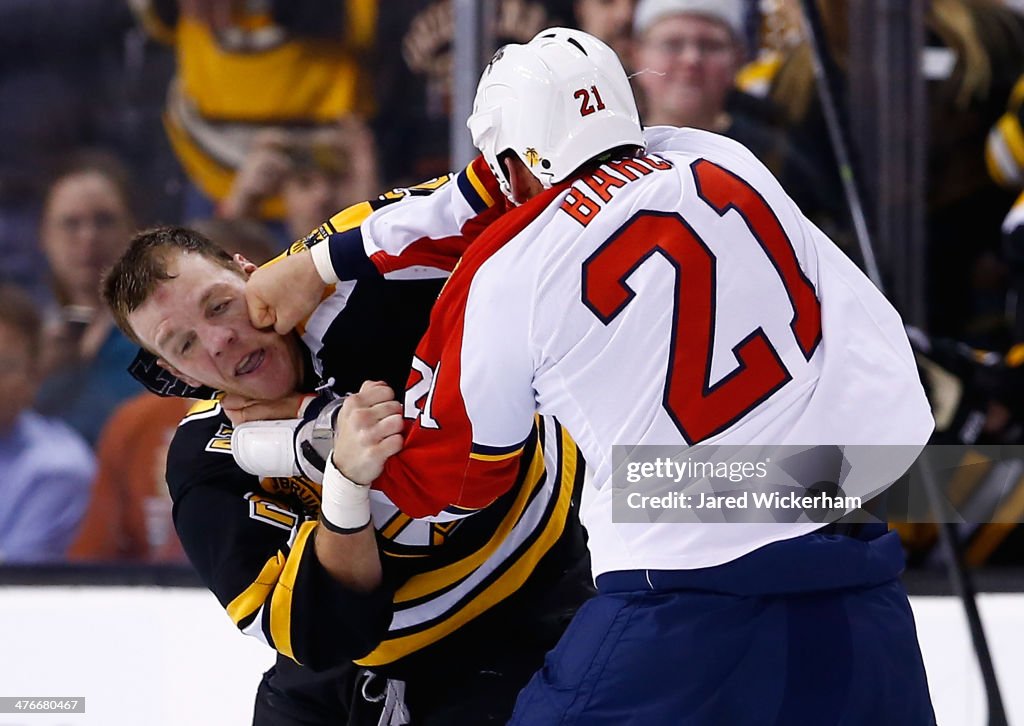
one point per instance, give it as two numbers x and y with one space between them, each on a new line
368 432
284 293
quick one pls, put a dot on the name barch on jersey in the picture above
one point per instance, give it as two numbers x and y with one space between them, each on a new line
583 205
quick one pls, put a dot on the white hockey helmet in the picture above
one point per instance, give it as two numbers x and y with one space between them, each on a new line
556 102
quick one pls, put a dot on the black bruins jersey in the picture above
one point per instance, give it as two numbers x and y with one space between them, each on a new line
459 596
251 541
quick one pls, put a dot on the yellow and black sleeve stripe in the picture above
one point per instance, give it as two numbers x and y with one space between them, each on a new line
421 619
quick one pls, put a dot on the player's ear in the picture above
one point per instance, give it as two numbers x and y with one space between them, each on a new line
247 267
524 184
178 374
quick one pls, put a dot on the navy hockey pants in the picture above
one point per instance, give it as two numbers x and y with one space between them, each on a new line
813 631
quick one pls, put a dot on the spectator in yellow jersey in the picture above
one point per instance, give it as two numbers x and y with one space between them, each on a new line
244 65
1004 148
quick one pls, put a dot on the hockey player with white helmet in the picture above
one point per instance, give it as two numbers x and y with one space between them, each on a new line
521 106
656 288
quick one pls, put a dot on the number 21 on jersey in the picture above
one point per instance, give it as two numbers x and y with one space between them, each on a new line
419 397
699 408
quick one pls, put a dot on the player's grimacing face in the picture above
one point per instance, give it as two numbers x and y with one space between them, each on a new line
197 323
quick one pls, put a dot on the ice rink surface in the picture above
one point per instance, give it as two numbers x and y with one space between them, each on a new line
167 656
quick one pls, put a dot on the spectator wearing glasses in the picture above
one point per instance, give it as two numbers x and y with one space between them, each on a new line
686 56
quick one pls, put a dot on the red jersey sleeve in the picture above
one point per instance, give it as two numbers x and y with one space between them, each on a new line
469 401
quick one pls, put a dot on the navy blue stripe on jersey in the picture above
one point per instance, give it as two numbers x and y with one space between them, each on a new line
348 257
483 450
477 202
461 511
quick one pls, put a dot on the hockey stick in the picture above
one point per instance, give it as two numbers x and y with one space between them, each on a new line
961 580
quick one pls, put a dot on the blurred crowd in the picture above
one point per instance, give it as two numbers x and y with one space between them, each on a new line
255 120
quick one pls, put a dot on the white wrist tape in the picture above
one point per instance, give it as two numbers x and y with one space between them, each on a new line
321 253
346 505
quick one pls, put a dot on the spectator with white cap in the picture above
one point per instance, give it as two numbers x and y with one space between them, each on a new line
687 54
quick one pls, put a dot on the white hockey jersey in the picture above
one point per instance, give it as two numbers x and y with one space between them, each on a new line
674 299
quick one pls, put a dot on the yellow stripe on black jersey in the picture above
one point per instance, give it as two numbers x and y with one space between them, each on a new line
994 492
436 581
992 534
350 217
281 601
1010 129
395 525
435 603
203 409
252 598
971 472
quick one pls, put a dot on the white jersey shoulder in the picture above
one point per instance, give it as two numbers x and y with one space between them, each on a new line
427 228
676 299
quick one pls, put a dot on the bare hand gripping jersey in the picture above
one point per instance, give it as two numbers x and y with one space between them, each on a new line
678 298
